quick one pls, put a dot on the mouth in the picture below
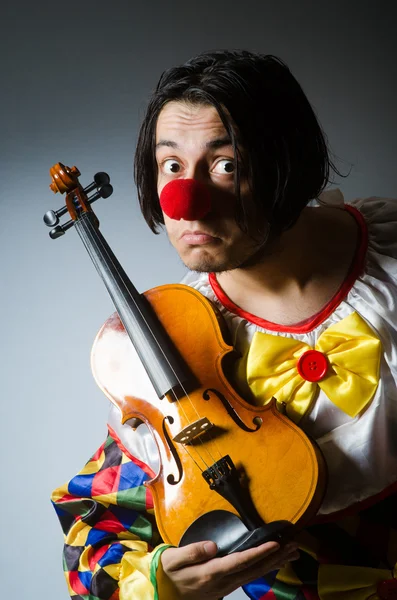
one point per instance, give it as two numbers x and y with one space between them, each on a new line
197 237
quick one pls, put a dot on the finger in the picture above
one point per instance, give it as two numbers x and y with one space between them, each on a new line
290 547
284 560
277 561
239 561
272 563
177 558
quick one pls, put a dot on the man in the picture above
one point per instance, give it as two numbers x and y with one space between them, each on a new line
306 285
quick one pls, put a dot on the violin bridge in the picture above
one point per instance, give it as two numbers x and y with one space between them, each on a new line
192 431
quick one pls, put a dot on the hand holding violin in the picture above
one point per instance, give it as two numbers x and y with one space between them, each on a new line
194 573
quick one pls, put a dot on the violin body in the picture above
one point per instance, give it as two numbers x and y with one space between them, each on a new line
283 470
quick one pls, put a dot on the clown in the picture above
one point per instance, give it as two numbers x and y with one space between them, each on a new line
232 161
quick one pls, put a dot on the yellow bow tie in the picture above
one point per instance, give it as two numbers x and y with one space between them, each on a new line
344 364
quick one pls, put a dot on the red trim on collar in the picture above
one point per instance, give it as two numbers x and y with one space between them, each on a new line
311 323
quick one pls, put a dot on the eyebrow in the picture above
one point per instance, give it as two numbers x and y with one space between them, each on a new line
212 144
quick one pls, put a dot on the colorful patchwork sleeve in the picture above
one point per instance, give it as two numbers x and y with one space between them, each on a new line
112 547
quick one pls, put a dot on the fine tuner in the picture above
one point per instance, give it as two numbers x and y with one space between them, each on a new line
63 178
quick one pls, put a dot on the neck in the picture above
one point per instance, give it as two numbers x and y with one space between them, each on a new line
299 271
284 261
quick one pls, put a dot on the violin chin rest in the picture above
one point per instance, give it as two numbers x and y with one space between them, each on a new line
231 535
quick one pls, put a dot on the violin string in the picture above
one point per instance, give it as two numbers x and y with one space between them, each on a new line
85 220
184 446
87 225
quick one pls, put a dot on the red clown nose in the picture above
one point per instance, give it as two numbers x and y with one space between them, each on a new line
185 199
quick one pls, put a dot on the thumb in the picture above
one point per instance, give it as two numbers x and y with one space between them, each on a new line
192 554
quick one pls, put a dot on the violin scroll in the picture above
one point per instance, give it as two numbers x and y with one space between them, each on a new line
66 179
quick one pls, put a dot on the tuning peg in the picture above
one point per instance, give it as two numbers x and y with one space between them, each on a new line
100 179
60 230
51 217
103 192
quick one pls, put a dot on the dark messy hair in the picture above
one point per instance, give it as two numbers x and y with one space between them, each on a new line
265 112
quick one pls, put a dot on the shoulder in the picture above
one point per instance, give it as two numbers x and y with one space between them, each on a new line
376 216
380 216
376 208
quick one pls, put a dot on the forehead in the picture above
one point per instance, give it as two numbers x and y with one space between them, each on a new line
184 119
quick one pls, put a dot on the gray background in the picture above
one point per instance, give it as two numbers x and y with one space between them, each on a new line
75 79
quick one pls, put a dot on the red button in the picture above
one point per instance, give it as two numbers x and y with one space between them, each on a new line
312 365
387 589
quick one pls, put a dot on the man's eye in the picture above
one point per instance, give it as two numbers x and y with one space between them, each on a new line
224 166
171 166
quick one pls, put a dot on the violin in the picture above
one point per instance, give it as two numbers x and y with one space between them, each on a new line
231 472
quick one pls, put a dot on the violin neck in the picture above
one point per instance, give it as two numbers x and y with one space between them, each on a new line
161 361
